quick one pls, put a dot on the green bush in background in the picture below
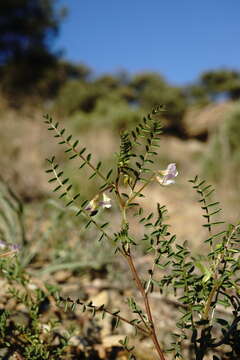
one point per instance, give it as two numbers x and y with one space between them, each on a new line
222 161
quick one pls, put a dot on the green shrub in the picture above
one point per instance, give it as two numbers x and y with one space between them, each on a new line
222 160
77 95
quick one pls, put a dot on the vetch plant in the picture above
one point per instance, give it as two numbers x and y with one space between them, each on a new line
199 284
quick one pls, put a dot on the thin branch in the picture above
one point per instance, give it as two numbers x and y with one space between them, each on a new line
128 257
103 309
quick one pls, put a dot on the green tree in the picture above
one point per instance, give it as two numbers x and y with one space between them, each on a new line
27 28
221 81
152 89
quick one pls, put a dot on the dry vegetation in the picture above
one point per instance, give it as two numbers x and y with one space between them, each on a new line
24 145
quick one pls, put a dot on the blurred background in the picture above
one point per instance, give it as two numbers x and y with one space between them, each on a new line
98 67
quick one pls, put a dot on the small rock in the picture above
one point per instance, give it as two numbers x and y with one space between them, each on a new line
62 275
100 299
112 340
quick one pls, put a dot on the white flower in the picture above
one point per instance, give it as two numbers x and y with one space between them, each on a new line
95 203
167 176
106 202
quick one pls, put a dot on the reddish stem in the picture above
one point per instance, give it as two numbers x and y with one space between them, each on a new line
140 287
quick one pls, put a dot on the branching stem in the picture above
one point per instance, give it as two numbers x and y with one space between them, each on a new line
135 194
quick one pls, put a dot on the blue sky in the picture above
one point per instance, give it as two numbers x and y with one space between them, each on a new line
178 38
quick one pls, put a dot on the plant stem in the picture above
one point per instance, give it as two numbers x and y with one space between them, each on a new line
128 257
135 194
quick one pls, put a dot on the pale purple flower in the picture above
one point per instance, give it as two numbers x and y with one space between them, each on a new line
15 247
167 176
12 249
